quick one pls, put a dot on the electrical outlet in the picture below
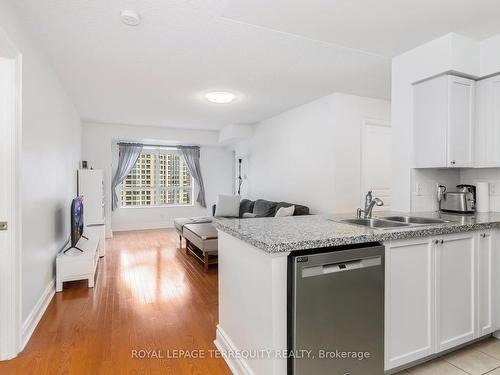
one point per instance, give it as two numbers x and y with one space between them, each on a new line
419 189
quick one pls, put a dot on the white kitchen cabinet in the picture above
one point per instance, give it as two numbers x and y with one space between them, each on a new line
487 124
409 299
443 129
485 260
455 290
440 293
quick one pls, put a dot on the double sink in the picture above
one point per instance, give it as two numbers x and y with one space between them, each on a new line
394 222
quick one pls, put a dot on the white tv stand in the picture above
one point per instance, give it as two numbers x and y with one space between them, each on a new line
78 265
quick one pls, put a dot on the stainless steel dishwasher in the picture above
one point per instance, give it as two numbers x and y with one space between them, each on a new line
336 311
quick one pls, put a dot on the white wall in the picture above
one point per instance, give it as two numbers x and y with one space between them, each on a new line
100 150
311 154
451 52
51 148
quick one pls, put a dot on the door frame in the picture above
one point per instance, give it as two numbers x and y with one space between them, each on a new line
10 258
364 123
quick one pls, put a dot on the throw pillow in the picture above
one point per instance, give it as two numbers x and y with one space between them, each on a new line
246 206
227 206
263 208
285 211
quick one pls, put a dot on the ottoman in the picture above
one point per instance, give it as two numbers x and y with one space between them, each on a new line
201 241
180 222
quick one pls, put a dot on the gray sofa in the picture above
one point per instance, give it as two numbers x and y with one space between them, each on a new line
248 209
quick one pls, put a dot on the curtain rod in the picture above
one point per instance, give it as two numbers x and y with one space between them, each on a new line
158 146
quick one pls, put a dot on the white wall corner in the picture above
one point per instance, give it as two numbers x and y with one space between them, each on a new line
465 55
35 315
450 53
235 133
489 51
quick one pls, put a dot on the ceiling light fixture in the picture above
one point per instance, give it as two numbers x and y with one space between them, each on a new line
220 97
130 17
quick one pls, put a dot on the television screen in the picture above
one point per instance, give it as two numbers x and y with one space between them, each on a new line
76 220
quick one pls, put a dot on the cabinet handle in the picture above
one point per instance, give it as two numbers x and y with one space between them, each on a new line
442 242
452 162
436 241
483 235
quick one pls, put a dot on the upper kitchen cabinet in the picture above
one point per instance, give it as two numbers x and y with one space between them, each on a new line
487 132
444 122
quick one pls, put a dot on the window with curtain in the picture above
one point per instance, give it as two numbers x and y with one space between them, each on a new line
159 178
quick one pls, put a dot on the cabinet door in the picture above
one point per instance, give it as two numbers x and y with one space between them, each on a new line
487 126
409 300
461 121
430 112
485 250
455 291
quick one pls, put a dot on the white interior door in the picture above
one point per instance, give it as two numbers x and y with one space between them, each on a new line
10 271
376 161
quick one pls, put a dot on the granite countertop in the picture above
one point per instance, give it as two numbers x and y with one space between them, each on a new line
284 234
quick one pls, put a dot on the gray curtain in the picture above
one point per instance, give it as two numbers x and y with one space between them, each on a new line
129 153
192 157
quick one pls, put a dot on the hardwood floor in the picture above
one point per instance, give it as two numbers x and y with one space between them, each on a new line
149 295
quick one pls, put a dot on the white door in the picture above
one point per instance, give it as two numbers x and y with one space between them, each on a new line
461 121
90 186
409 296
376 162
455 290
485 253
10 270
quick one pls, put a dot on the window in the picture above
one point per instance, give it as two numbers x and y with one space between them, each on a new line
159 178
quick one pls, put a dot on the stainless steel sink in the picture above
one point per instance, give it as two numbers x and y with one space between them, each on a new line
375 223
415 220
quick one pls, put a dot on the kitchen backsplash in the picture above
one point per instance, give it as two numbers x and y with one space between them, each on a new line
491 175
425 181
424 187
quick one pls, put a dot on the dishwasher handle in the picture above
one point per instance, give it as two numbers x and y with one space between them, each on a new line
336 267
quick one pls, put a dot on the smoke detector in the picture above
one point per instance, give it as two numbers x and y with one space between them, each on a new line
130 17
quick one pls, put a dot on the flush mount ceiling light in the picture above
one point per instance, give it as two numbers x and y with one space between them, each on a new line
130 17
220 97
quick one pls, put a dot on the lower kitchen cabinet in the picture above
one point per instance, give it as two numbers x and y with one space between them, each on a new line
409 301
455 290
439 294
486 256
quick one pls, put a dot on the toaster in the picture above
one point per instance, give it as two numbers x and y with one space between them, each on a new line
459 202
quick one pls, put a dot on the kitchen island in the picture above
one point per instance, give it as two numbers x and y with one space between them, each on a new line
439 284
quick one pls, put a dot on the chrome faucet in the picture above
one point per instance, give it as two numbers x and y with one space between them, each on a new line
370 202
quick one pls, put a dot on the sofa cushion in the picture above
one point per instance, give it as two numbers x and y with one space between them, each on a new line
263 208
246 206
299 209
228 206
248 215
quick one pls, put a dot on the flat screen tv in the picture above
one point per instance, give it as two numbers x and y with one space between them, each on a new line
76 220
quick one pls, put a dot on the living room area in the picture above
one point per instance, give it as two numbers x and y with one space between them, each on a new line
173 172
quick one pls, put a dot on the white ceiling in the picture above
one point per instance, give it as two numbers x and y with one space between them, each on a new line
277 53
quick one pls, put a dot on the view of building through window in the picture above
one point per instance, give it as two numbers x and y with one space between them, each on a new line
159 178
